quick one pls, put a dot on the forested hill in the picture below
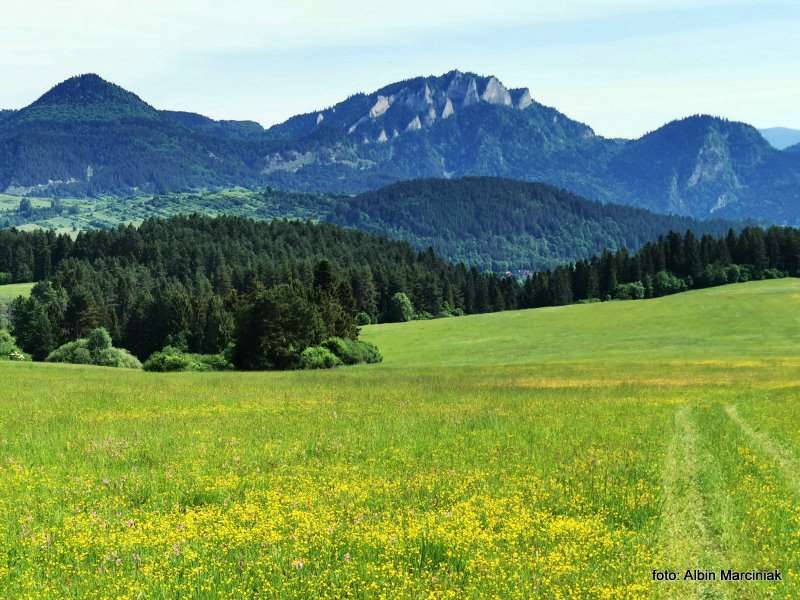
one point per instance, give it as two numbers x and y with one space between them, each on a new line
87 137
493 224
505 225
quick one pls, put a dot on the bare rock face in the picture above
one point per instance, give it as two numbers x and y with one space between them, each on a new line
420 103
428 95
448 110
471 97
496 93
521 98
713 164
414 125
431 116
380 107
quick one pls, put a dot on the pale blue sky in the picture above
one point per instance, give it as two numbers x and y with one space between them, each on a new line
622 66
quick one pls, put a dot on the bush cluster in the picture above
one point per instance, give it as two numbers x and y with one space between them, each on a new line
319 357
9 349
96 349
337 351
172 359
353 352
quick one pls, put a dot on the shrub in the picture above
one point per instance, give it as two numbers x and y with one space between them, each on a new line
400 309
713 275
214 362
9 349
96 349
352 352
666 283
172 359
98 340
115 357
449 310
739 273
319 357
168 360
362 319
629 291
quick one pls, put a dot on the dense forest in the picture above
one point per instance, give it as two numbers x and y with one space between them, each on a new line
204 282
491 223
505 225
275 289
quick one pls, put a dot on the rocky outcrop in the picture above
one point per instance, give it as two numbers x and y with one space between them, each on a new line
521 98
448 110
471 97
428 100
414 125
496 93
380 107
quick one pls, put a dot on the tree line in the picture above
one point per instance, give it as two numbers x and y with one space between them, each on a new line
268 291
205 284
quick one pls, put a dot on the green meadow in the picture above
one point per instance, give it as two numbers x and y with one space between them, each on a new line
552 453
10 291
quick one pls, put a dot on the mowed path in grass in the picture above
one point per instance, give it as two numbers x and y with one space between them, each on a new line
550 453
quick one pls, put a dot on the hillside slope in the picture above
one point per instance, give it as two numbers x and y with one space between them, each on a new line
755 319
705 166
500 224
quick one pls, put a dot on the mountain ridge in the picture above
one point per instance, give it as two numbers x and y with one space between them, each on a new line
87 136
781 137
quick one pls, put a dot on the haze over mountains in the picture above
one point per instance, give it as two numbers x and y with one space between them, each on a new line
87 136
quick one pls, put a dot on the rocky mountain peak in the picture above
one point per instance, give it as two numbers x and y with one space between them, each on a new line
421 102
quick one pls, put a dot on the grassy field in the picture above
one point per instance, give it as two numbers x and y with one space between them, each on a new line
10 291
554 453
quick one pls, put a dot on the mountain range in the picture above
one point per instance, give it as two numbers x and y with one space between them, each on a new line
781 137
89 137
